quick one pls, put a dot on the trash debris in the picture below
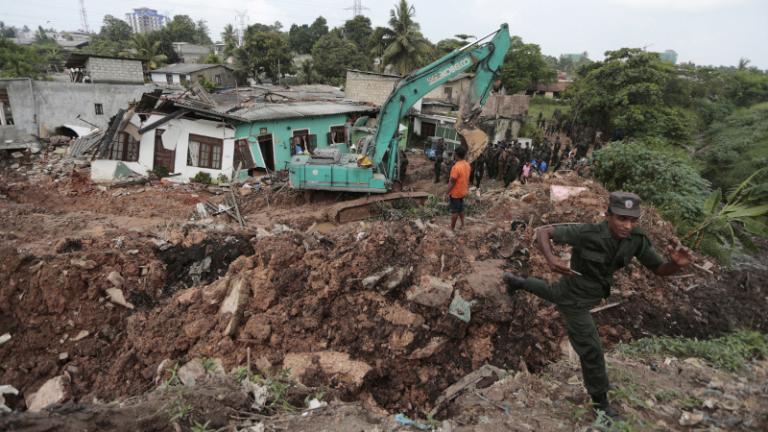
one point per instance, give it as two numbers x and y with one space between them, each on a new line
461 308
4 390
260 394
691 418
116 296
431 291
404 420
5 338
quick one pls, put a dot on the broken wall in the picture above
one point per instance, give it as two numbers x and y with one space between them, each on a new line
181 129
39 107
369 87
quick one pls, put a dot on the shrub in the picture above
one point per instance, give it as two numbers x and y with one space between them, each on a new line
202 177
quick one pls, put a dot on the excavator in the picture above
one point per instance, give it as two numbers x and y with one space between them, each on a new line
375 168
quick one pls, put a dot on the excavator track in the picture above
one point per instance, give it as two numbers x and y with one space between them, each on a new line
364 208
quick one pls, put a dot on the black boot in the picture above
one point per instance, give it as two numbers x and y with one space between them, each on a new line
514 283
600 403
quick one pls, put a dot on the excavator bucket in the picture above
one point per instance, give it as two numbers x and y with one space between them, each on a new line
475 138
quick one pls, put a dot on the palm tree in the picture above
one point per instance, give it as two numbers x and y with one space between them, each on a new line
229 37
307 72
407 48
148 51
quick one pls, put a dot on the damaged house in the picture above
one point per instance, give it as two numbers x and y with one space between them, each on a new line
229 134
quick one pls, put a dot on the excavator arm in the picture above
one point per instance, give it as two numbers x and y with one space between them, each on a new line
487 57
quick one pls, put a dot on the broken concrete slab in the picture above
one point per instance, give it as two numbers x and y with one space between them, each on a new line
562 193
191 372
331 363
54 391
431 291
468 382
116 296
116 279
84 264
5 338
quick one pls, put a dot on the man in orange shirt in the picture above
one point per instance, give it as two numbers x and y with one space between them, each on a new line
458 186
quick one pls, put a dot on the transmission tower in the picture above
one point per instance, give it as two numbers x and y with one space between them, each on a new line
241 21
84 17
357 8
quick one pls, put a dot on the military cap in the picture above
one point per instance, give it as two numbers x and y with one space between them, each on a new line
624 204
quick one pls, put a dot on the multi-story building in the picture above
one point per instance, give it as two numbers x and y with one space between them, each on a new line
144 20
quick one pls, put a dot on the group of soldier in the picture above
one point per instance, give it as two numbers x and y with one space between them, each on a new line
509 161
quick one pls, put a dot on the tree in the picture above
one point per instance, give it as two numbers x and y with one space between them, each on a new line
358 30
9 32
300 38
625 96
212 59
446 46
264 54
318 28
183 29
524 67
229 37
406 48
148 50
307 74
115 30
20 61
201 34
333 54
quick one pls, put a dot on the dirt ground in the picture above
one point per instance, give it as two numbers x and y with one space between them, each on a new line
358 311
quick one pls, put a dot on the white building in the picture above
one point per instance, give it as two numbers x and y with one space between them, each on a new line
145 20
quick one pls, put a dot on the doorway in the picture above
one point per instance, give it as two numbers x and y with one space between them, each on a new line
267 151
163 157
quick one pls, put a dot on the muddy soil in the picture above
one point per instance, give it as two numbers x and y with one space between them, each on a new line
301 294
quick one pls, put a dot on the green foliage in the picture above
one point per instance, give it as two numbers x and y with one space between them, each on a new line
743 214
212 59
206 83
524 67
174 379
406 49
229 37
735 146
626 95
264 54
668 182
202 177
209 364
160 171
277 387
332 54
307 73
240 373
7 32
182 28
546 107
115 29
358 30
728 352
178 411
222 179
20 61
197 427
148 50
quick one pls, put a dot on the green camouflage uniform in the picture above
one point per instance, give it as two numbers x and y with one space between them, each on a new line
596 255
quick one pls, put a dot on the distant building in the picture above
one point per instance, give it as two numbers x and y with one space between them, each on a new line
370 87
669 56
145 20
191 53
184 74
92 68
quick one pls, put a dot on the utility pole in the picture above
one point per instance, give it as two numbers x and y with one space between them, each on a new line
240 21
84 17
357 8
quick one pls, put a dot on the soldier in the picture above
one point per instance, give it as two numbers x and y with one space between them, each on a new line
478 168
492 160
512 168
403 165
598 251
501 165
439 150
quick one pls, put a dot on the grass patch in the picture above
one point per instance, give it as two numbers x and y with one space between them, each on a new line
179 410
729 352
546 107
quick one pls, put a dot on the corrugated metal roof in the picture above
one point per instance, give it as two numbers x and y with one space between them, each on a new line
274 111
185 68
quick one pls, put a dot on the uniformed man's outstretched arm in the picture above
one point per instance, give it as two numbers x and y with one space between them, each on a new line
543 235
679 257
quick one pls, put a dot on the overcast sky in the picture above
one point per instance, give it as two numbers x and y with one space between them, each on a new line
716 32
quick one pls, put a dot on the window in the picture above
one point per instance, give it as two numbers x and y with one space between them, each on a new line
305 140
99 109
337 135
124 148
169 78
183 79
217 79
6 115
243 158
204 152
448 92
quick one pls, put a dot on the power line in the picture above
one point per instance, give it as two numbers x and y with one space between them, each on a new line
357 8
